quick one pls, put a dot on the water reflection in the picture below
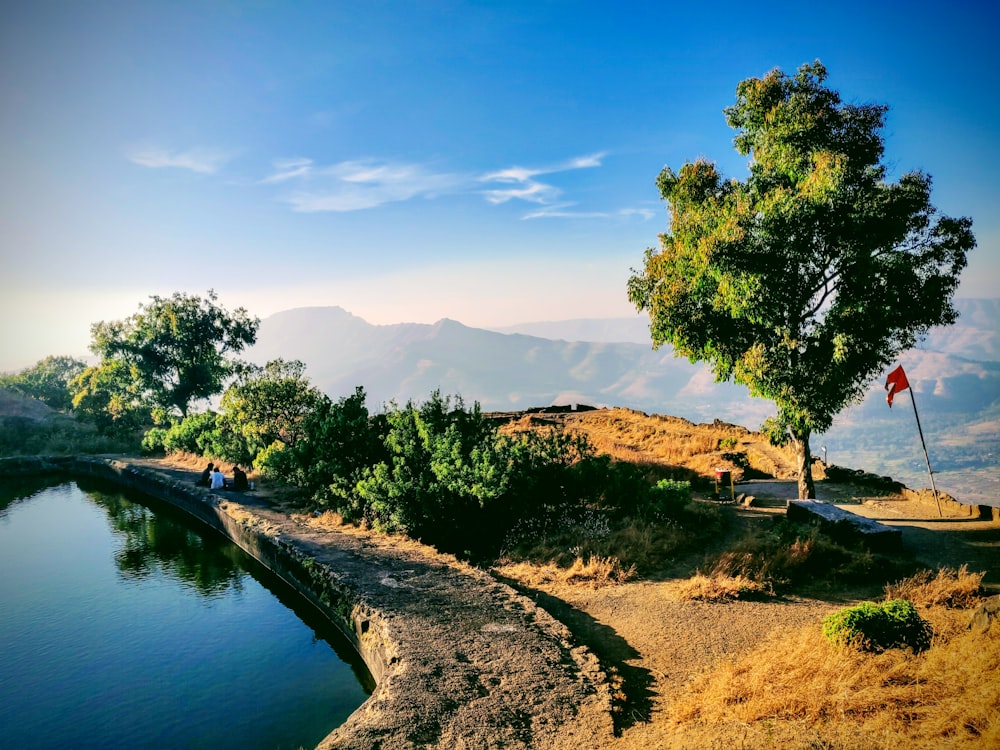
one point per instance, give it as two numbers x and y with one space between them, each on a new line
14 490
157 544
127 624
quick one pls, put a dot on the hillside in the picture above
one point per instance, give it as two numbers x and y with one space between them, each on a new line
955 374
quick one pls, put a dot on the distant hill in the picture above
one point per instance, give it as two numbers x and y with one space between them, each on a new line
501 371
609 362
976 335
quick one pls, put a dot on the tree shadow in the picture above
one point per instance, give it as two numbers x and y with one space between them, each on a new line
632 698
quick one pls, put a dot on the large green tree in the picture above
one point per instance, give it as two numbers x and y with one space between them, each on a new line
803 281
173 351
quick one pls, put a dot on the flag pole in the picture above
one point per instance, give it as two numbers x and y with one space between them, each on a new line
923 445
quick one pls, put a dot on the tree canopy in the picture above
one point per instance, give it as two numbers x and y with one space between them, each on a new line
806 279
47 380
173 351
269 404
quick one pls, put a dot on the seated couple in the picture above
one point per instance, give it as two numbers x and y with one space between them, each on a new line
213 478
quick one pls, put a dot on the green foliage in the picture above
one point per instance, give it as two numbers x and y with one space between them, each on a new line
339 441
445 465
808 278
172 352
60 436
194 434
105 396
268 406
153 441
877 627
47 380
625 490
437 471
776 432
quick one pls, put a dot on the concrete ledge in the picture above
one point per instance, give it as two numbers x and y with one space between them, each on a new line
459 659
837 521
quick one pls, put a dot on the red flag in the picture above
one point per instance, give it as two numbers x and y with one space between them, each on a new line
895 382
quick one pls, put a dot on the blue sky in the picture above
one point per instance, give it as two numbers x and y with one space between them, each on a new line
492 162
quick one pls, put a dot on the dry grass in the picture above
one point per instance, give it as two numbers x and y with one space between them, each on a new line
800 686
947 587
631 549
592 571
679 447
719 588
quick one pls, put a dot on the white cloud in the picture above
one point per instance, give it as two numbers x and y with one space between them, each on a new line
200 160
560 211
360 184
288 169
527 188
643 213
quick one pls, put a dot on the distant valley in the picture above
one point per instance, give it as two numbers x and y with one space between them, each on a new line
609 362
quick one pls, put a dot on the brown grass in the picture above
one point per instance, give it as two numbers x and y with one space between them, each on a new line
948 696
678 447
633 548
592 571
947 587
719 588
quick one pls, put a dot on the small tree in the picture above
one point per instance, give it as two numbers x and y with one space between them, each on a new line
105 396
269 404
808 278
175 350
48 381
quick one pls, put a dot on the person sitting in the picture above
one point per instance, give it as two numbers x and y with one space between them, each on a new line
240 483
206 476
218 479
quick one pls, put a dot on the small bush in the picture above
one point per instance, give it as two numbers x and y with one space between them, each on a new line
877 627
153 441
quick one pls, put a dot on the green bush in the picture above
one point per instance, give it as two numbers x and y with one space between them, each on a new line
60 436
877 627
189 435
153 441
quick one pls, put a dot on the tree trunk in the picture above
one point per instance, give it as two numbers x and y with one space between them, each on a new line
807 488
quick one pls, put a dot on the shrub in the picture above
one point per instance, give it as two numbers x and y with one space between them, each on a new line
791 554
153 441
877 627
62 435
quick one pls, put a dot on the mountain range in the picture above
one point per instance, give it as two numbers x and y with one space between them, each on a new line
954 373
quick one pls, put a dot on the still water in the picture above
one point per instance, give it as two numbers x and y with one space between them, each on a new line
127 627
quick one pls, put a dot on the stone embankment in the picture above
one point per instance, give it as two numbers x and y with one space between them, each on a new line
459 659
